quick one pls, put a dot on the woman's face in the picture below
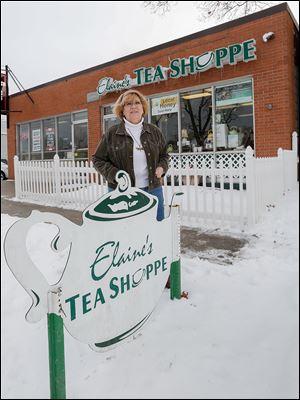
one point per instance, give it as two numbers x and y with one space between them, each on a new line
133 109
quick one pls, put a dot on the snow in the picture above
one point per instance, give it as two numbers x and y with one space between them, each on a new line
236 336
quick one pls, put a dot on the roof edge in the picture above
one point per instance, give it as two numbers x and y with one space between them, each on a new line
236 22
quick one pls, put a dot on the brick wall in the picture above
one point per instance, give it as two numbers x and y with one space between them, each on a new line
273 73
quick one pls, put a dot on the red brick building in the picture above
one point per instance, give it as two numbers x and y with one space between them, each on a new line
220 89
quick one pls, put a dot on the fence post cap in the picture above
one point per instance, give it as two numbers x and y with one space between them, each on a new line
249 151
16 158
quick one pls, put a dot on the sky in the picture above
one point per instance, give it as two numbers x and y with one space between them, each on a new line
235 336
43 41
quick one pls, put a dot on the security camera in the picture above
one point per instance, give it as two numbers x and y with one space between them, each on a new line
267 36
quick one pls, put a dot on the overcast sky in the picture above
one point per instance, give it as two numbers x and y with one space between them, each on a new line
45 40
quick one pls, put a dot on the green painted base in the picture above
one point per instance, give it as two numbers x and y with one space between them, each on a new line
175 280
56 357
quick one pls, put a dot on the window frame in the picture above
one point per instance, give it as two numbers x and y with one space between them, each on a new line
42 123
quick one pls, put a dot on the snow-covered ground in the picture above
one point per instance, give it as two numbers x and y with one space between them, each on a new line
236 336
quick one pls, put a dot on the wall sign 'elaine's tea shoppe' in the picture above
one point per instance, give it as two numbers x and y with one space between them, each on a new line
180 67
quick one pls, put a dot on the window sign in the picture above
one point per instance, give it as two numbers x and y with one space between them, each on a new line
164 105
36 140
234 94
50 139
24 135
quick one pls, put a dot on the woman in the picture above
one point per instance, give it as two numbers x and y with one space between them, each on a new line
134 146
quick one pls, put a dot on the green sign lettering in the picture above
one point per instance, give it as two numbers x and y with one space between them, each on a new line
184 66
221 56
72 305
235 51
85 303
249 50
139 75
175 68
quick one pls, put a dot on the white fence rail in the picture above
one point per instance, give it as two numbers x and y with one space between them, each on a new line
233 188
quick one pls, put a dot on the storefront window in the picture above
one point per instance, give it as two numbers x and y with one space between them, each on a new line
234 116
36 140
108 110
196 121
80 141
49 138
80 116
39 140
109 122
24 142
65 137
164 114
109 119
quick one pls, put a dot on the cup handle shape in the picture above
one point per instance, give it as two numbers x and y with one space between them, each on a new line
21 265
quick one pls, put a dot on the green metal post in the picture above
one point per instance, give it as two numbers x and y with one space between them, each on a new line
175 280
175 271
56 353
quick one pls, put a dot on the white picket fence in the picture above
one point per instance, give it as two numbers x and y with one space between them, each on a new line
233 189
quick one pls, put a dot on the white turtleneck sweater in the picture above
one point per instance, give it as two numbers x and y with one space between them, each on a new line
139 157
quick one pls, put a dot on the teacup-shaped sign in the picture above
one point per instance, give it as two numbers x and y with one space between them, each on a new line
117 268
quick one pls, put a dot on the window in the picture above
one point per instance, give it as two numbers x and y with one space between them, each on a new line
80 141
109 119
164 114
35 140
49 138
80 129
108 110
80 116
24 142
196 121
65 137
234 116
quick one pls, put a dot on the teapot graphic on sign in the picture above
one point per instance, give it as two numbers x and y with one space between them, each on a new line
117 267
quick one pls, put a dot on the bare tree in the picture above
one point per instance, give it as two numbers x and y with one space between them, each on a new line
200 118
159 7
220 10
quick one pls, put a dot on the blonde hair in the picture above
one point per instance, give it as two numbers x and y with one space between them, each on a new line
119 104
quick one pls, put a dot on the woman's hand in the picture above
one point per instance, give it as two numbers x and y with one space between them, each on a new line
159 172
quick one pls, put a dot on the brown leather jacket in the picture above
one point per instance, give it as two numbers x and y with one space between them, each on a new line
115 152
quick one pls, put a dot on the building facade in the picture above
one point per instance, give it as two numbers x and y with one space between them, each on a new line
218 90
